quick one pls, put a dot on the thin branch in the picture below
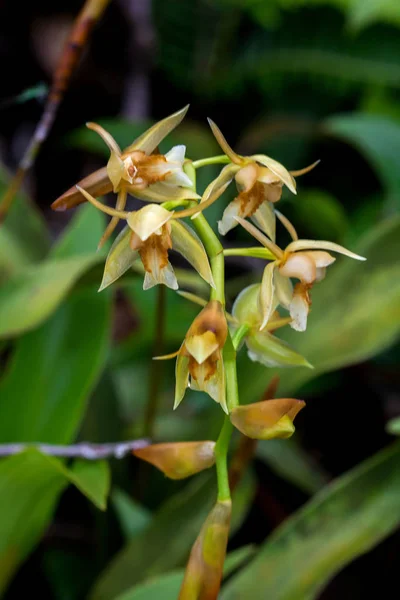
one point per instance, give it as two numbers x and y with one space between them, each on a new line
81 30
85 450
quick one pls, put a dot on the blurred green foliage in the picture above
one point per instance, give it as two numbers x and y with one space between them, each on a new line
302 80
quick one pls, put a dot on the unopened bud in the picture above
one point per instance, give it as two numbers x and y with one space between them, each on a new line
203 573
180 459
268 419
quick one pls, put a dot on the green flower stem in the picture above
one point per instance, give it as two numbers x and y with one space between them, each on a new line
221 460
212 245
212 160
256 252
239 334
215 253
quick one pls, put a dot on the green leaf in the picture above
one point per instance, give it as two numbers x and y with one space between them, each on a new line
341 522
167 586
166 542
378 138
92 478
132 516
31 296
355 314
82 235
30 485
44 390
290 461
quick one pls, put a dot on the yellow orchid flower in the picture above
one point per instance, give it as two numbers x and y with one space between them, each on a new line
149 235
200 356
136 171
305 260
259 180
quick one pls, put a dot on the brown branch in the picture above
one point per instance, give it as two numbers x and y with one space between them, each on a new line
81 30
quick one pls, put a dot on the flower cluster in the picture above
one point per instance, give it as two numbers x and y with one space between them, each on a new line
206 359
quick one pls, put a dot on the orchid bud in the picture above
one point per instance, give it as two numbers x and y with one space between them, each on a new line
268 419
203 573
180 459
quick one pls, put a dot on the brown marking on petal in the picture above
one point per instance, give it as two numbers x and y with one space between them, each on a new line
96 184
156 244
211 318
145 168
251 200
303 289
203 373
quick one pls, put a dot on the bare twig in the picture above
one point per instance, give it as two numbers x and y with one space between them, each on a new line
81 30
85 450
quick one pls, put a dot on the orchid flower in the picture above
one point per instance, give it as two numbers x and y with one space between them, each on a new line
136 171
305 260
200 356
149 235
259 180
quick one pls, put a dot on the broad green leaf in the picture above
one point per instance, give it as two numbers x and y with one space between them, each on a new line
52 370
32 295
355 314
166 542
25 223
30 485
92 478
167 586
132 516
341 522
82 234
378 139
290 461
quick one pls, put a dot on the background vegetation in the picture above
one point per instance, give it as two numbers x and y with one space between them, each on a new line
299 80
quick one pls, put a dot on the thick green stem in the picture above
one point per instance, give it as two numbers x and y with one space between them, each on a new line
221 460
212 160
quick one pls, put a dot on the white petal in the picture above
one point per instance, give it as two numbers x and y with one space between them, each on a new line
321 245
178 177
246 177
321 272
176 154
299 311
321 258
301 266
228 220
148 220
264 218
283 289
266 297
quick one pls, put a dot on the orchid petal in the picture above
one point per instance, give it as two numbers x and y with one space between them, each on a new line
278 169
299 309
260 237
216 388
119 259
321 258
322 245
188 244
247 176
105 136
181 378
201 346
287 225
161 192
225 177
176 154
97 184
266 297
264 218
115 170
120 205
235 158
283 289
150 139
301 266
165 276
148 220
229 215
273 352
